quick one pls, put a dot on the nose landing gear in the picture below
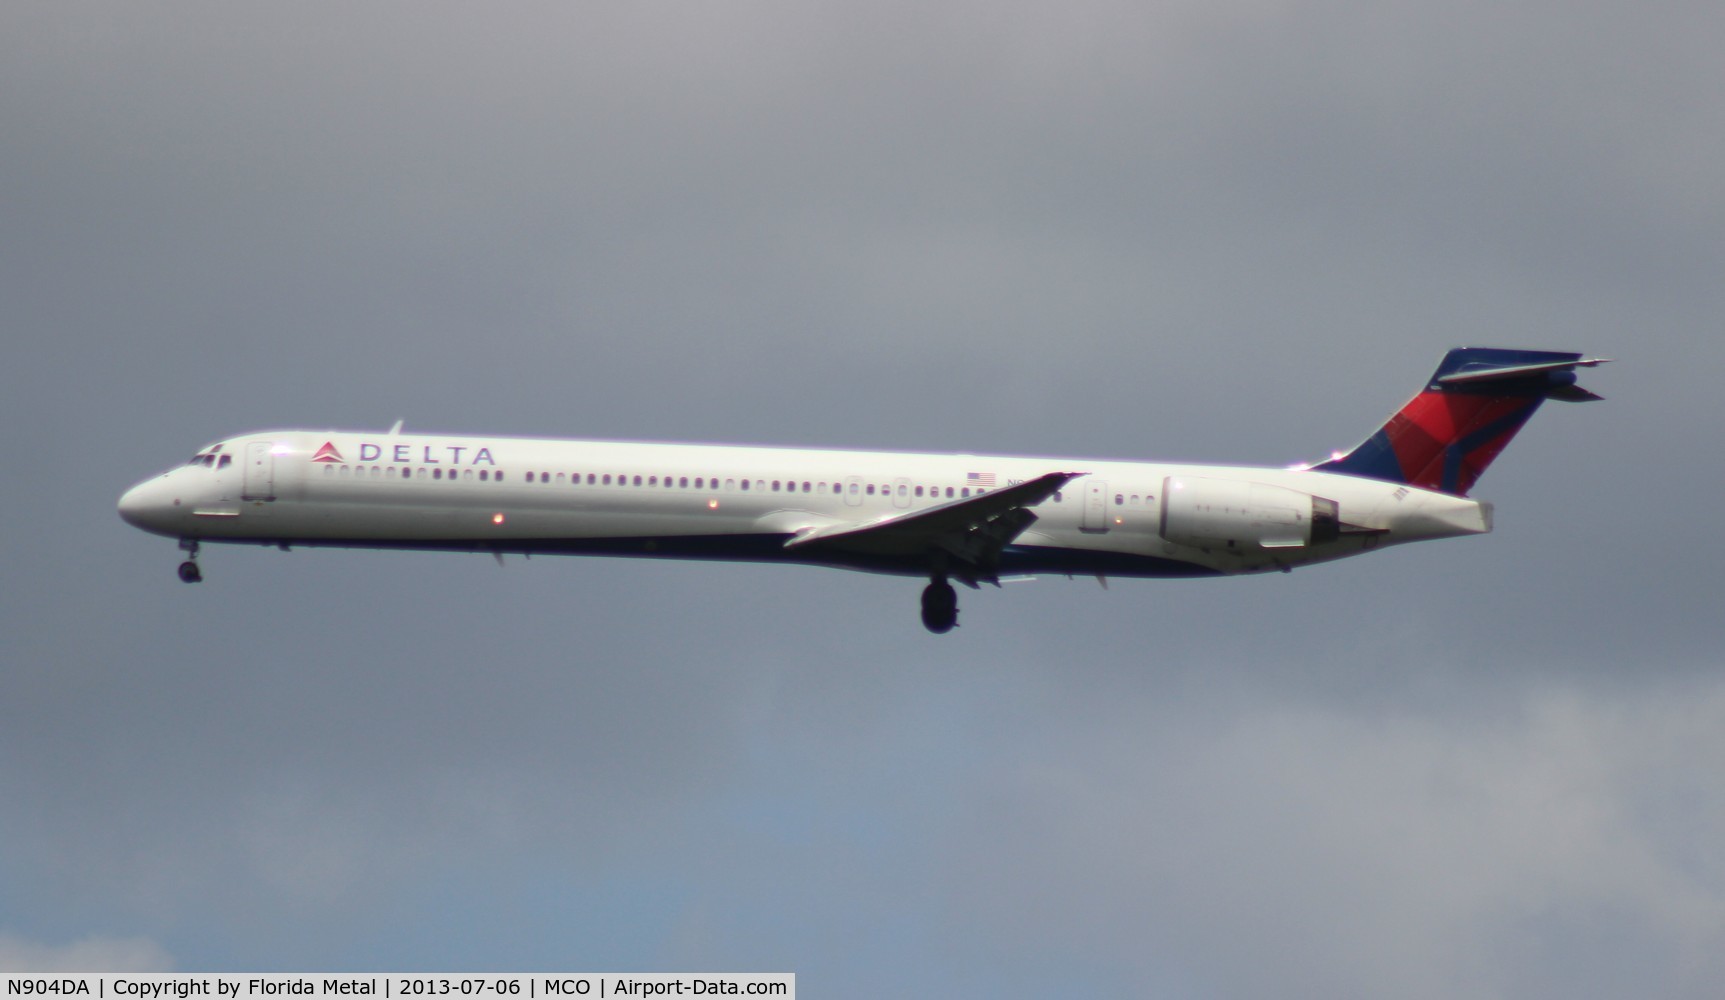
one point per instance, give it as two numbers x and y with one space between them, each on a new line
189 571
939 606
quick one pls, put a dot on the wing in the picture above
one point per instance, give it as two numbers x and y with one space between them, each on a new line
963 537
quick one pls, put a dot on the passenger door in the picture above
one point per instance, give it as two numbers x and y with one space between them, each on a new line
260 472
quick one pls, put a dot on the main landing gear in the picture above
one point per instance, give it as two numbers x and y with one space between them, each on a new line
189 571
939 606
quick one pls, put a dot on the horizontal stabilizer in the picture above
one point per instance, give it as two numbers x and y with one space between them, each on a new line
1485 371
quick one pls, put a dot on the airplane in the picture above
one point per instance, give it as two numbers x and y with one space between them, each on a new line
973 519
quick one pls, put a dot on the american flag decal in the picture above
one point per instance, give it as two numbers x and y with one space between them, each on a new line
982 479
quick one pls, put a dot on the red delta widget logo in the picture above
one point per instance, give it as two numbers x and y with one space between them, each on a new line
430 454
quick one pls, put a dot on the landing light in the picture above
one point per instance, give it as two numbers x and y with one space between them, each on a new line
712 505
497 519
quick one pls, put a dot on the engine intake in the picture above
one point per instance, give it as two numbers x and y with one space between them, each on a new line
1227 513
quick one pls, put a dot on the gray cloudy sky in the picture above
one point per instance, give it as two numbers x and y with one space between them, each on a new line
1242 232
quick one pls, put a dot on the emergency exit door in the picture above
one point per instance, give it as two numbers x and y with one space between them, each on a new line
1095 507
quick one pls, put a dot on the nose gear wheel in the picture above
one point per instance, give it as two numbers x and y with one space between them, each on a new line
189 571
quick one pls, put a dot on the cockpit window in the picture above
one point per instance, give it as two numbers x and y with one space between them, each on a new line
213 457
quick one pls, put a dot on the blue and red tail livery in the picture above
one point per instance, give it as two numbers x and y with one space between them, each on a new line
1446 436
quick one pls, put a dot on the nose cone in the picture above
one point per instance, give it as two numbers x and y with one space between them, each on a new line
151 505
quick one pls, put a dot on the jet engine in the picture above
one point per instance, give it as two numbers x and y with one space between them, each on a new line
1244 516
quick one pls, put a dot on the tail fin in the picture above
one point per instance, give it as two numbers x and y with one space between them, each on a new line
1445 436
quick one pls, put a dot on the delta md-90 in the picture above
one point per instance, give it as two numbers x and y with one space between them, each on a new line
970 519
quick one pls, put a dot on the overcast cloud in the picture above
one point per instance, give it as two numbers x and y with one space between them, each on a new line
1239 233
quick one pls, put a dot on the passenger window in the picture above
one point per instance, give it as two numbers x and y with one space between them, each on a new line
607 479
745 485
637 480
484 475
965 492
1119 500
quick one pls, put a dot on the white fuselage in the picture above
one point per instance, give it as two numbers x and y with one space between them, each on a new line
498 494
